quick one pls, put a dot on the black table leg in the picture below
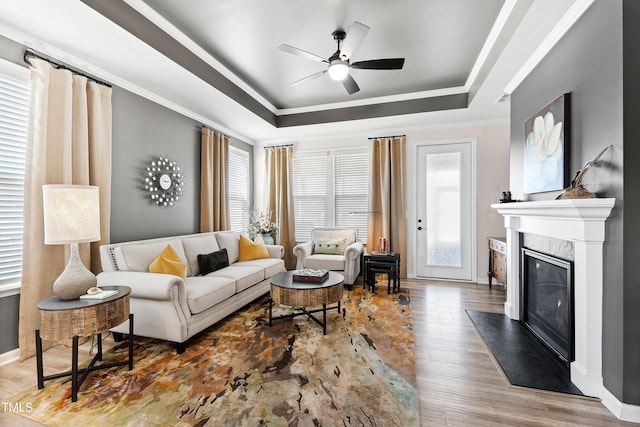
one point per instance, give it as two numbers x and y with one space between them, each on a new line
39 365
324 319
270 307
74 369
130 341
99 347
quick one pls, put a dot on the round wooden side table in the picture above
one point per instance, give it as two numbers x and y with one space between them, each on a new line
301 295
71 319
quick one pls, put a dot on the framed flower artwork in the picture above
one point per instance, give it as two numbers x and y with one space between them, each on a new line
546 148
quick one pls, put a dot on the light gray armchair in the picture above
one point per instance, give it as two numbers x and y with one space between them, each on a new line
335 249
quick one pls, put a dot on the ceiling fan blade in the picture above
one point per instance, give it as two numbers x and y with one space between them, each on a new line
350 85
308 78
380 64
299 52
356 34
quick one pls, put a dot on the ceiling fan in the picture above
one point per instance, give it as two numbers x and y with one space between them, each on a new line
339 63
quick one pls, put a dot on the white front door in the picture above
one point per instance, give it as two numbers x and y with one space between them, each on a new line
444 211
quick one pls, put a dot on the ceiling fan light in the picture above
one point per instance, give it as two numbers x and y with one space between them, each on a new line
338 70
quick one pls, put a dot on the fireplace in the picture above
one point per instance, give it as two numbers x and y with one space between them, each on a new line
547 301
582 222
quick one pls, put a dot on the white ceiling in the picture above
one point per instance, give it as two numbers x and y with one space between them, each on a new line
235 42
440 39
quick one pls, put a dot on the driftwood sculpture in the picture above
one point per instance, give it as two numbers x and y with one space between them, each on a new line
576 190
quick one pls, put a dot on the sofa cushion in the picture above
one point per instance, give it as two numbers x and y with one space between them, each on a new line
168 262
231 241
205 292
329 262
194 246
138 257
244 276
252 250
270 266
208 263
329 246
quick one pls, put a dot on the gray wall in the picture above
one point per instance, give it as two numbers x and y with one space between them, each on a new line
588 63
142 130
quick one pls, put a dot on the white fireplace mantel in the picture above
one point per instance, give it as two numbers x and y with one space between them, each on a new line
581 221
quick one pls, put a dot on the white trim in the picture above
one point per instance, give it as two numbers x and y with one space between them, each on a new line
495 32
623 411
9 290
9 357
566 22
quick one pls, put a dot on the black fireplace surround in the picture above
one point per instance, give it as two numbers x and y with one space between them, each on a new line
547 301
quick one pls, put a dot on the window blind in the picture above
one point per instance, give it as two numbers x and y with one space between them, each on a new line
309 194
14 114
239 189
331 189
351 191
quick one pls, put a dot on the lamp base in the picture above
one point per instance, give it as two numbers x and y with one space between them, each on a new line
76 279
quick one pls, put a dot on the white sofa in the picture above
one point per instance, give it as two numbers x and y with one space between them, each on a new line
170 308
345 260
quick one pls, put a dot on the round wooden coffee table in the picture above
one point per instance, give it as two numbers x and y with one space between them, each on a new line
305 295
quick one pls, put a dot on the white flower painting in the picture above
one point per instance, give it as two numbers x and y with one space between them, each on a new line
544 153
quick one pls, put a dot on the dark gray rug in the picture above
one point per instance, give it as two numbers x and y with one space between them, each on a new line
524 359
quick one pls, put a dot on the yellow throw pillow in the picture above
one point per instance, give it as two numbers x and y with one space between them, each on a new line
168 262
252 250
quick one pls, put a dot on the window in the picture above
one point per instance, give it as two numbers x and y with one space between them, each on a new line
331 189
14 114
239 189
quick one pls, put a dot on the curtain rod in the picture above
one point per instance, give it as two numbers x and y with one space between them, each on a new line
28 53
279 146
392 136
213 130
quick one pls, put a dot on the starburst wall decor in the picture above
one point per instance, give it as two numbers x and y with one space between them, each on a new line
163 181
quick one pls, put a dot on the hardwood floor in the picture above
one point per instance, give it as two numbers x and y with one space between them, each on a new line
459 383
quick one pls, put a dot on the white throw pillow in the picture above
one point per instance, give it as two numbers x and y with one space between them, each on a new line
138 257
194 246
229 240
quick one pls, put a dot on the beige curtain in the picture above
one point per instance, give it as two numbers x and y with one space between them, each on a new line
214 177
280 193
387 194
69 143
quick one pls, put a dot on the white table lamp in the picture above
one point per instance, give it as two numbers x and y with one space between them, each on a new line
72 215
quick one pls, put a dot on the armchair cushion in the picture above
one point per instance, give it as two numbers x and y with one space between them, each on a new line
329 246
325 261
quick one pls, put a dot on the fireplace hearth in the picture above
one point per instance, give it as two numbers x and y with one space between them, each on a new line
547 301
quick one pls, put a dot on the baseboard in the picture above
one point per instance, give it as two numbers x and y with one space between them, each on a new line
623 411
9 356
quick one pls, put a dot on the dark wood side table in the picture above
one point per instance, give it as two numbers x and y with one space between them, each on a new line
71 319
387 263
303 295
497 259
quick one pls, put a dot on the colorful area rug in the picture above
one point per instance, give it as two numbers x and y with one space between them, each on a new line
241 372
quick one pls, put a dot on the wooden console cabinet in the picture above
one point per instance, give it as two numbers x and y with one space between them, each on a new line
497 259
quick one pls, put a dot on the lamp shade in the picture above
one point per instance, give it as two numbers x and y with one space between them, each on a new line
71 213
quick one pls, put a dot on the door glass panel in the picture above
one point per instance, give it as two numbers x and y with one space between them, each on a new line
443 209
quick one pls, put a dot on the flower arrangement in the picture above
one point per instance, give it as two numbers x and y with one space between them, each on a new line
260 223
